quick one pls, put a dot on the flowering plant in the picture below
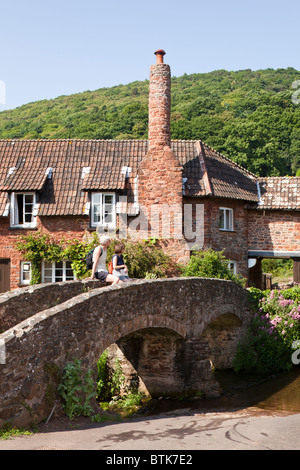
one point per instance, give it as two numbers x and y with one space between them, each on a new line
275 326
281 314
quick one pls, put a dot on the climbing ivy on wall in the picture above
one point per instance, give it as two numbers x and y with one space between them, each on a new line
144 258
38 246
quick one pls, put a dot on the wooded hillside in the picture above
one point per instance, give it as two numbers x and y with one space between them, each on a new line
247 115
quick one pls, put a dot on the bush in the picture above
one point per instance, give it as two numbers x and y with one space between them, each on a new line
275 326
145 259
210 264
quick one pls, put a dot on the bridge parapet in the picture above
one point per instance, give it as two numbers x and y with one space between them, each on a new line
19 304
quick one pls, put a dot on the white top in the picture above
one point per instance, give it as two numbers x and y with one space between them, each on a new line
101 265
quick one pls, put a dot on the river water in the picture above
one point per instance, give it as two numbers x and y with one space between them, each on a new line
276 394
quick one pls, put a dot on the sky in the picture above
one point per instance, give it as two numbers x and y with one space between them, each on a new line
60 47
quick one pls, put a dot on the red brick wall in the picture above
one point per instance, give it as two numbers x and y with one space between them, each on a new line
8 251
67 227
234 243
274 230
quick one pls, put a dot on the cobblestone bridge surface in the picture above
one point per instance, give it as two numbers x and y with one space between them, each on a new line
195 322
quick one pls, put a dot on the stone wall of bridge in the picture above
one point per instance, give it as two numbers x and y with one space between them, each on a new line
168 329
22 303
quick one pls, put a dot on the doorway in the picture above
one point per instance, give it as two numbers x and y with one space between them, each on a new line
4 275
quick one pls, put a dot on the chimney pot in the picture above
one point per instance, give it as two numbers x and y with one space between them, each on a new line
159 56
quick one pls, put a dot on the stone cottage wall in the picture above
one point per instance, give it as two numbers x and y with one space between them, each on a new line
59 228
274 230
234 243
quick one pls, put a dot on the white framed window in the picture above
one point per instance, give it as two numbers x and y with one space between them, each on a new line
23 210
57 271
226 219
25 272
232 266
103 210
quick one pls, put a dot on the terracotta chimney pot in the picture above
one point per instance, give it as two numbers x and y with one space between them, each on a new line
159 56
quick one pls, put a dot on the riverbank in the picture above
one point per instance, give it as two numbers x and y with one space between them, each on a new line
243 397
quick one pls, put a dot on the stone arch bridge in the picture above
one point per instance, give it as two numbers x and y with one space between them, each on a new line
170 330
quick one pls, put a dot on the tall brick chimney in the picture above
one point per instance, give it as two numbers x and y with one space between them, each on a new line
159 103
160 174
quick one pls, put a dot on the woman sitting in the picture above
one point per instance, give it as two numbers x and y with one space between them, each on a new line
120 269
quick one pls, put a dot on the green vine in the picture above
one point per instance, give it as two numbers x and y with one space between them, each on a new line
39 246
110 379
144 258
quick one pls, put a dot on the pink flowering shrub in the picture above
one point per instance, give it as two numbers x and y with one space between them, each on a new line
282 315
275 326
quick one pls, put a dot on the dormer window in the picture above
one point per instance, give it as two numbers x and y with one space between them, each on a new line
103 210
23 210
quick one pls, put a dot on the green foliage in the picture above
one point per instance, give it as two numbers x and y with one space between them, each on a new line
247 115
77 390
37 247
76 251
210 264
110 379
277 267
255 296
145 259
274 327
8 432
130 402
103 392
111 390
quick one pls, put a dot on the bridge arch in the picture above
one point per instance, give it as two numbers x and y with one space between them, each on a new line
130 326
85 325
220 338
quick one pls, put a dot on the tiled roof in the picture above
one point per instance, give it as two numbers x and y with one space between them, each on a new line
228 179
279 193
108 158
64 170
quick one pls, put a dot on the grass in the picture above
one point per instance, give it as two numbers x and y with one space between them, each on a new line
126 405
8 432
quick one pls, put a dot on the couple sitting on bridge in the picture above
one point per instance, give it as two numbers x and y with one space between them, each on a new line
99 270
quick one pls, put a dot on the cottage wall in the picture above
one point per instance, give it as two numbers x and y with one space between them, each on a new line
234 243
68 228
274 230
